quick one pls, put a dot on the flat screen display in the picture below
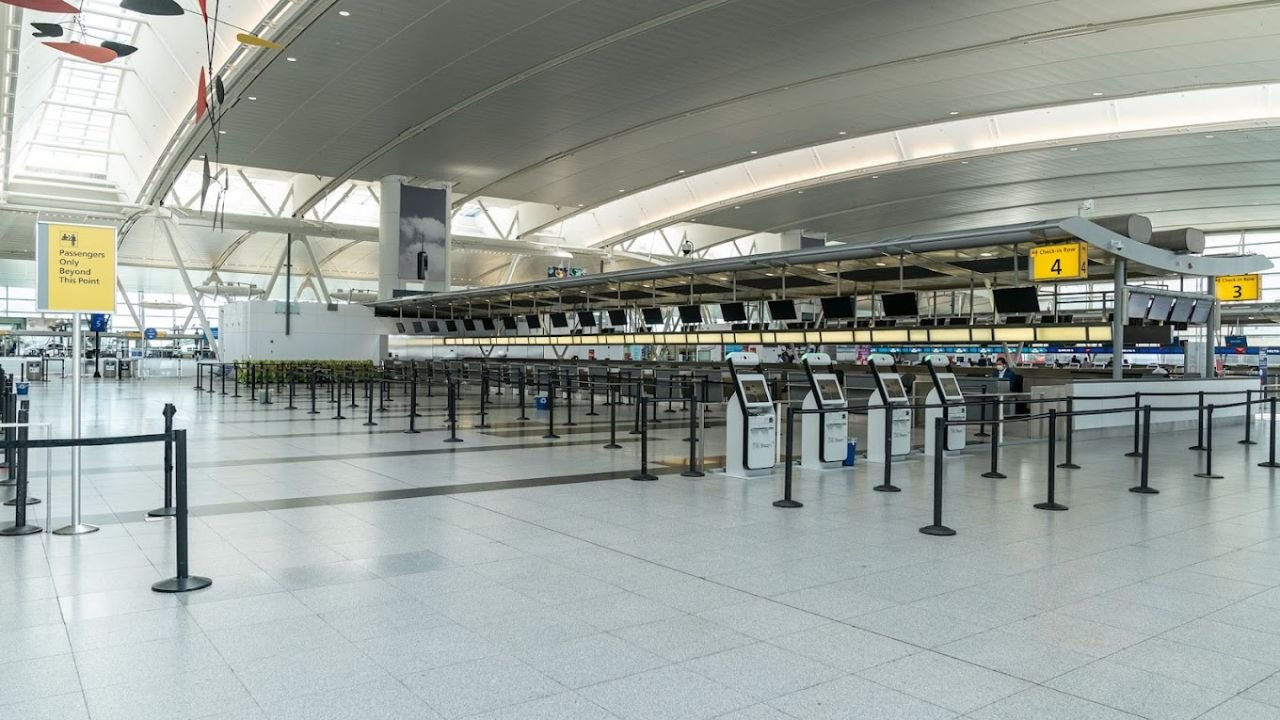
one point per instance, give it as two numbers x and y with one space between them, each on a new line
469 325
487 323
1181 311
782 310
400 328
691 314
586 318
1200 314
618 318
838 307
509 323
950 388
1139 303
533 321
1016 300
451 325
652 316
1160 307
754 391
417 327
899 304
559 320
733 312
1237 341
829 391
893 388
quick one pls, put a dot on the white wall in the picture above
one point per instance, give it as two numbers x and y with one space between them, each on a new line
255 331
1234 390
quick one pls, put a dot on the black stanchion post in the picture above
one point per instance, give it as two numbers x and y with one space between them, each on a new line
1208 473
199 378
368 391
1199 422
644 475
591 397
253 383
994 472
183 581
353 391
338 382
224 378
613 428
1248 419
292 381
693 470
413 404
1050 503
266 390
639 397
453 411
551 410
1137 428
311 380
168 510
1143 487
570 386
21 500
1071 437
1271 453
787 501
520 388
235 384
939 437
887 485
484 399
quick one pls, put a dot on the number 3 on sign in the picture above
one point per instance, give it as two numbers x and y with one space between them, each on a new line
1238 288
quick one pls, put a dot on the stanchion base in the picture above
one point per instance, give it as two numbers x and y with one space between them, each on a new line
1136 454
1207 476
696 474
522 418
412 432
633 432
1069 466
452 439
1269 464
995 475
887 488
591 414
368 424
163 512
1246 442
570 424
982 434
612 446
644 477
482 427
30 501
1057 507
1196 447
937 530
81 529
787 504
290 407
551 436
1144 490
182 584
313 412
16 530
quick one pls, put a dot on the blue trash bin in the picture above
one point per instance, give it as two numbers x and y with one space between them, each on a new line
851 456
540 402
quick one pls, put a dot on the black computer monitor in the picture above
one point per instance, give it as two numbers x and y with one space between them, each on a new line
1181 311
487 324
417 327
400 328
1139 303
1161 306
1200 313
618 318
733 312
451 325
782 310
509 323
1016 300
469 325
586 318
652 316
691 314
533 321
836 308
899 304
559 320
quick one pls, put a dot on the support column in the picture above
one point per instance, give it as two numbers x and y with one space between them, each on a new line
1120 304
1211 330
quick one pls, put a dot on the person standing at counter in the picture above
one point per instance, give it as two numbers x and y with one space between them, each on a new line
1003 371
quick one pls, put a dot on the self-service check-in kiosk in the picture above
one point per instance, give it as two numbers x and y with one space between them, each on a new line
945 392
894 409
824 436
751 427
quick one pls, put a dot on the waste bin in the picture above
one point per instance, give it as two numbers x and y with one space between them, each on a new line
35 370
852 455
126 368
541 402
110 367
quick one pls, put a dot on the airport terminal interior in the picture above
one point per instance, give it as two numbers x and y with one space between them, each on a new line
639 359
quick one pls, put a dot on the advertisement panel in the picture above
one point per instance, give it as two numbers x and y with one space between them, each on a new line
424 235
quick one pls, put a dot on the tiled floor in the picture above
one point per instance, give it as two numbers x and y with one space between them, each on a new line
680 599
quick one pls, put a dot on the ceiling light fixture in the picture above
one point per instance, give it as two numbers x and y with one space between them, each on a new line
964 162
844 132
880 264
954 112
875 177
1209 137
253 97
292 59
1073 149
344 13
986 254
755 152
1097 94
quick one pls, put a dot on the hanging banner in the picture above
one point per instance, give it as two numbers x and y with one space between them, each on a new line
75 268
424 236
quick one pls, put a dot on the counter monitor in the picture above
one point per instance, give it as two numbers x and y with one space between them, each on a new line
754 391
733 312
586 318
838 308
1200 314
691 314
618 318
559 320
829 391
893 387
652 316
782 310
533 321
1161 305
950 388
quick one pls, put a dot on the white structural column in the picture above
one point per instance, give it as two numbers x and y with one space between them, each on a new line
389 237
171 231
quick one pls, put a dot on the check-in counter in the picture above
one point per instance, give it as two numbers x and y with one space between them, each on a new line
1155 392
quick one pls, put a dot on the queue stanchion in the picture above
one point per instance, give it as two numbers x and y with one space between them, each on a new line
224 378
520 388
253 383
1144 473
118 374
21 500
1199 422
1050 503
383 390
235 385
484 399
353 391
887 485
453 411
183 581
266 391
591 399
368 391
1137 429
644 475
311 381
693 471
638 398
1271 453
551 411
787 501
338 382
613 428
292 381
1208 473
199 379
568 401
413 404
1248 420
414 380
168 510
939 436
1068 463
994 473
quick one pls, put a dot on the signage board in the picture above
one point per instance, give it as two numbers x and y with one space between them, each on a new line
1060 261
75 268
1238 288
99 322
150 334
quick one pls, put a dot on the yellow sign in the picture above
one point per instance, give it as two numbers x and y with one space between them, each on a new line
1064 261
75 268
1238 288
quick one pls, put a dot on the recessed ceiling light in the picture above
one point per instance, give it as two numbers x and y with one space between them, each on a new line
964 162
986 254
768 274
875 177
222 132
1073 149
755 152
1209 137
954 112
581 205
680 171
253 97
799 192
344 13
621 190
879 264
292 59
737 207
844 132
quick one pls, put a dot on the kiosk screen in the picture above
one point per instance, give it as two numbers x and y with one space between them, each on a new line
755 392
950 388
829 391
893 388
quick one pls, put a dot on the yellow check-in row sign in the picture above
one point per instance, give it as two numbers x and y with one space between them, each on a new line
1060 261
75 268
1238 288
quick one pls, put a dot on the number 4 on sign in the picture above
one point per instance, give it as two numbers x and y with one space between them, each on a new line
1056 267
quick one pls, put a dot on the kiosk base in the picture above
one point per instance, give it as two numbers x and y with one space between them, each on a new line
746 474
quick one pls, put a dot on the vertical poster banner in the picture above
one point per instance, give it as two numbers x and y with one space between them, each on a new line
75 268
424 236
